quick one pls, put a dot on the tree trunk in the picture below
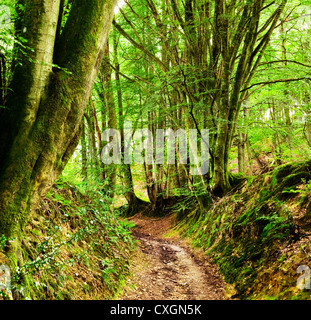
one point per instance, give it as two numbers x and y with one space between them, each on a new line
241 152
40 128
106 80
134 203
307 129
93 150
84 153
249 157
221 172
276 137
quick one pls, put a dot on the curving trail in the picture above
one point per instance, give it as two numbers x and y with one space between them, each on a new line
167 268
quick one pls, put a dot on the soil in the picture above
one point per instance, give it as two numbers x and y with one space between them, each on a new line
168 268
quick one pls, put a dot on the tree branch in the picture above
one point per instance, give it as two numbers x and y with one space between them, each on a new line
285 60
276 81
140 46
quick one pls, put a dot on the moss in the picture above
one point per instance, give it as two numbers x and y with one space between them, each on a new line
235 179
62 261
248 233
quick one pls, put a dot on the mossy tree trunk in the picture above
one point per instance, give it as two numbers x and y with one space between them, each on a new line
239 49
40 127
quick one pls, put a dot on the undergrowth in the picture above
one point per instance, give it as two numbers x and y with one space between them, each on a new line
74 248
259 235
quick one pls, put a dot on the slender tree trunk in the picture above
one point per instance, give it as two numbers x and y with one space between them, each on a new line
288 121
106 79
276 138
3 80
242 140
84 153
134 203
241 152
221 172
93 149
249 157
307 129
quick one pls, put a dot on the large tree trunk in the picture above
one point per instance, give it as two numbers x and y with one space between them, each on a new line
41 126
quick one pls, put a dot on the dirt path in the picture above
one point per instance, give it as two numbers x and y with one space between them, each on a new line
167 268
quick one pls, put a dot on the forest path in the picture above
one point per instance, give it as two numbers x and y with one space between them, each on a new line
167 268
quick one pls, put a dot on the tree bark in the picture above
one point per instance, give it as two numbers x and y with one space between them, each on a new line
241 152
106 80
83 153
40 128
245 38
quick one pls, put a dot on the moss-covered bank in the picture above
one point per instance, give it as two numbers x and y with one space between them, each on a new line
260 234
73 249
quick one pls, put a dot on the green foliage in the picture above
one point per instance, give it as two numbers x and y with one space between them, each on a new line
73 232
254 235
3 242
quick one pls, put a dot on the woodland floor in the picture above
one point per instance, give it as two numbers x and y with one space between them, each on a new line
167 268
